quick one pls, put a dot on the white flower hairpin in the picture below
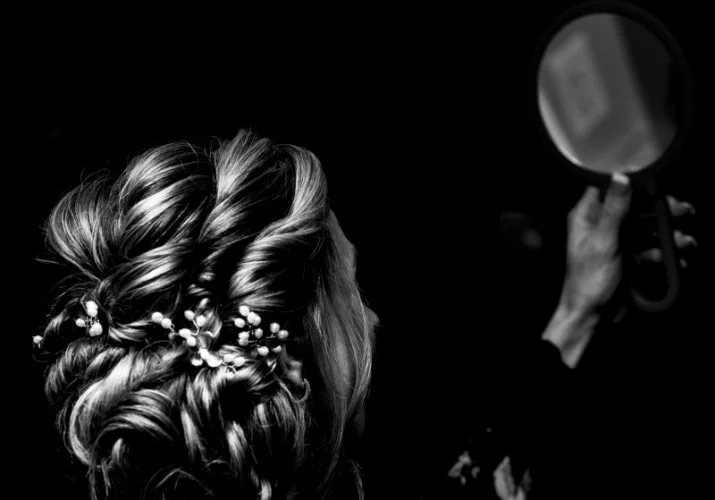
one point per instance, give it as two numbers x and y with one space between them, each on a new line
255 337
252 338
90 322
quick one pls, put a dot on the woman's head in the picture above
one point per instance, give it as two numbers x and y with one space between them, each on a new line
246 223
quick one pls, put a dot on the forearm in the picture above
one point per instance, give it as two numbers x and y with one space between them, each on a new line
570 330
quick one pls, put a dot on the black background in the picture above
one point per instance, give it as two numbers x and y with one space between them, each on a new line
426 124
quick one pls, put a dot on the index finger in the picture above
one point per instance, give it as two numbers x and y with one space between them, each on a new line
616 203
587 210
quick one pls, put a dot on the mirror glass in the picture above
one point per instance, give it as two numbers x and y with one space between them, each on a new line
609 93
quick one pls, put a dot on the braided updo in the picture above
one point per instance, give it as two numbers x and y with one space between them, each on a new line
246 222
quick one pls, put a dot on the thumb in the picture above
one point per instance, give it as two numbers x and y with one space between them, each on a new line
616 203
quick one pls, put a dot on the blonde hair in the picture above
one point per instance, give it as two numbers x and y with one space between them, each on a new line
246 222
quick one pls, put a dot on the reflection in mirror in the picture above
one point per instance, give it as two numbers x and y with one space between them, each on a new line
608 93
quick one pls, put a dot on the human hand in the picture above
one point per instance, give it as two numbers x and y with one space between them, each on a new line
594 264
593 260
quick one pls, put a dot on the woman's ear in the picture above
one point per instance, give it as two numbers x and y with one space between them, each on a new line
292 366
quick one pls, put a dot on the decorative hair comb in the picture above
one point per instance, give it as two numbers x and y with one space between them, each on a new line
251 338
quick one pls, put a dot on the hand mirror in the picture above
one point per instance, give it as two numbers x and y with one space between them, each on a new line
613 96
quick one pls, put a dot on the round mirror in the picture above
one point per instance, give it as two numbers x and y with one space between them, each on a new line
610 93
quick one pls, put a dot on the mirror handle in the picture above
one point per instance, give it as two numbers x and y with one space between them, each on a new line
668 252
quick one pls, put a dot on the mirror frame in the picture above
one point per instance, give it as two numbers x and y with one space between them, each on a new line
682 68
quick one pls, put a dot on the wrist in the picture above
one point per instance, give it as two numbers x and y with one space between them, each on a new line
575 303
570 330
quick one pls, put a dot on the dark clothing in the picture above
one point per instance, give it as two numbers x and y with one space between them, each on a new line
629 422
525 426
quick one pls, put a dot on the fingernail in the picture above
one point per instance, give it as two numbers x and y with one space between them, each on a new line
620 179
